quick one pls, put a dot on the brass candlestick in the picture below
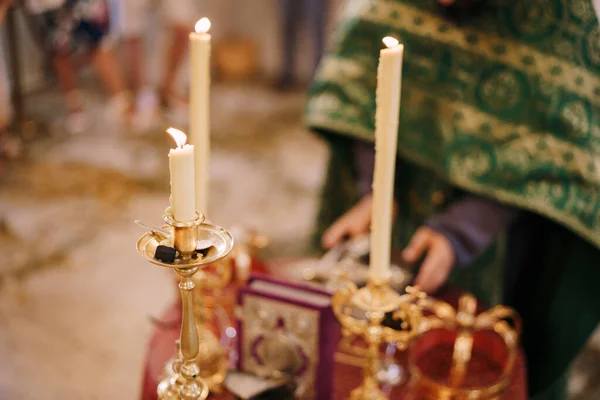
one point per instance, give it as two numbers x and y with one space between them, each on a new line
186 384
374 301
213 360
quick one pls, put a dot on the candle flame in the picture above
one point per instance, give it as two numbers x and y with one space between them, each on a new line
390 41
179 137
203 25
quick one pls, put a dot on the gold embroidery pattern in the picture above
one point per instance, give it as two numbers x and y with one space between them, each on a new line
513 54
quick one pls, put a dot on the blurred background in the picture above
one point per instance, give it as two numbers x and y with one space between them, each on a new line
78 166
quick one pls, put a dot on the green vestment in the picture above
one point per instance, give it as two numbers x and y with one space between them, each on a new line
504 104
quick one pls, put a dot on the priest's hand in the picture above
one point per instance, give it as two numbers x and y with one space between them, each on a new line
355 222
439 259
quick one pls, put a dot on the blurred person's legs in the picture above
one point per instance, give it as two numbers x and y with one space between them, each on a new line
75 121
81 26
177 50
290 18
10 146
179 17
314 12
135 13
317 11
107 66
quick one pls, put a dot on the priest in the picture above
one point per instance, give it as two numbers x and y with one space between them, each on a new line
498 171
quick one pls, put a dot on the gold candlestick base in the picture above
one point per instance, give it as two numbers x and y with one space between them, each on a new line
169 387
186 383
213 363
374 301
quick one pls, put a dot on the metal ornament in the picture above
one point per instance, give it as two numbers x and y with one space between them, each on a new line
373 302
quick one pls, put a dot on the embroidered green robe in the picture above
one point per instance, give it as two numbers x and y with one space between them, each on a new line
505 104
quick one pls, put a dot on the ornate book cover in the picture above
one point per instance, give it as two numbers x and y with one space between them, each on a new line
288 329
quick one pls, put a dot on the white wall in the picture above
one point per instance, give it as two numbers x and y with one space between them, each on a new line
260 20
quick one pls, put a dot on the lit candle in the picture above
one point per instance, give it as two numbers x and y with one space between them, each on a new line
387 99
181 166
199 108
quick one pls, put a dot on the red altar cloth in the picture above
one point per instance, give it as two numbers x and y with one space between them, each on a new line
347 377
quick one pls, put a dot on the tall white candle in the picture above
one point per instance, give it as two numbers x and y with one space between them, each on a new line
181 167
389 79
199 109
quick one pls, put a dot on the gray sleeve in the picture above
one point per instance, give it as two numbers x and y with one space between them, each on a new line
472 224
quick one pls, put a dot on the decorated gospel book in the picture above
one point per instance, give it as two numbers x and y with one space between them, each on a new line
288 330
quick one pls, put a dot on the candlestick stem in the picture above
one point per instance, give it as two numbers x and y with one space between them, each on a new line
191 390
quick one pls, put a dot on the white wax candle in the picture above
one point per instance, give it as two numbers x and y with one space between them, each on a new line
199 108
389 78
181 167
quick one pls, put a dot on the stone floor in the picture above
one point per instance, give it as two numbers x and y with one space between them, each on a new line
76 299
